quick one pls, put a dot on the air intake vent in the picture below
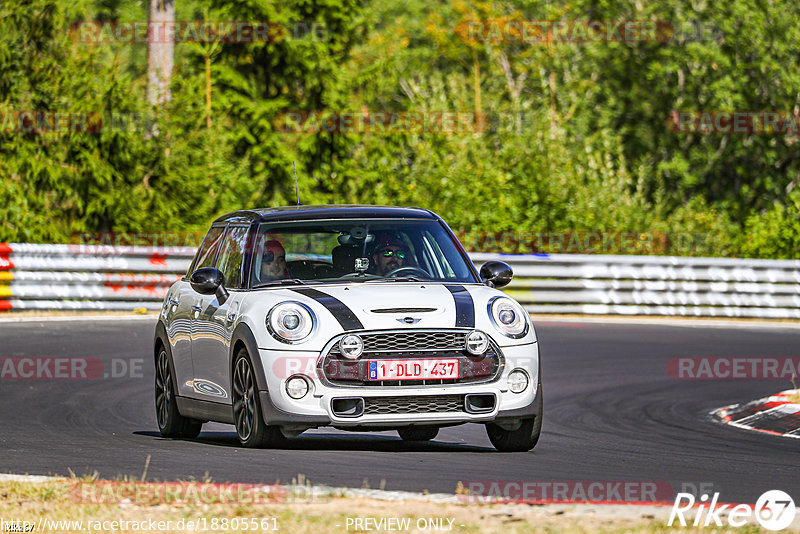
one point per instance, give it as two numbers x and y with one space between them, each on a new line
415 404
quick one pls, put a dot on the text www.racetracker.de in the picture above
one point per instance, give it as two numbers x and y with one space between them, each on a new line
199 524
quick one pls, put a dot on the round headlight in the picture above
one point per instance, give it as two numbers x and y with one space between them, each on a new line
508 317
290 322
477 342
351 346
517 381
297 387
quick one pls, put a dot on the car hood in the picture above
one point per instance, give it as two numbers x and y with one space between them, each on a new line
391 306
400 305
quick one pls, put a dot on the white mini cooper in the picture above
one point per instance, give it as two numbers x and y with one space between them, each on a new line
363 318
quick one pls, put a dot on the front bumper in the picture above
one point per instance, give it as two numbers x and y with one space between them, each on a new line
392 406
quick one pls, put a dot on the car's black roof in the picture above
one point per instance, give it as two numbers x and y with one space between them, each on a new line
337 211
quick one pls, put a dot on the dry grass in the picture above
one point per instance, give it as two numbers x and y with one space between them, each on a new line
53 500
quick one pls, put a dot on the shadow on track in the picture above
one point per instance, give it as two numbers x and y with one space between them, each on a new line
333 442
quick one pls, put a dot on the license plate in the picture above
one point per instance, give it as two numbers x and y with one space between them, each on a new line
412 369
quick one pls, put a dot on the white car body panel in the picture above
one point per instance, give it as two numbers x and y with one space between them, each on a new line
213 326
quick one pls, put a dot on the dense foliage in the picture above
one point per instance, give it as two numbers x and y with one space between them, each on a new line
561 139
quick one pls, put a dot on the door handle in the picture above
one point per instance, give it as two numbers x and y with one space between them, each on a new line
197 308
174 302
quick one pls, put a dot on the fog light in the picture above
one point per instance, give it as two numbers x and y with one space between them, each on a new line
297 387
517 381
351 346
477 342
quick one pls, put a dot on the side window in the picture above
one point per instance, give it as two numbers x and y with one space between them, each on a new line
231 254
208 249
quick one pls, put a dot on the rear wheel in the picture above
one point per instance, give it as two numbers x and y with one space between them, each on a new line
418 433
171 423
250 427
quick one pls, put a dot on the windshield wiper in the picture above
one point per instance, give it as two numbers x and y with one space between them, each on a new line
282 282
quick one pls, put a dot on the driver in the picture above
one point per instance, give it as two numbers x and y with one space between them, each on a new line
390 254
273 262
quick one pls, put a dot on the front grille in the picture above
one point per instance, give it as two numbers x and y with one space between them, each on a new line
413 341
341 371
414 405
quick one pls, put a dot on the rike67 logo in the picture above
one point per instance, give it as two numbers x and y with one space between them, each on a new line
774 510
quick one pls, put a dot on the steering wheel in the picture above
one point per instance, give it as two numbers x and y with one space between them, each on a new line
407 271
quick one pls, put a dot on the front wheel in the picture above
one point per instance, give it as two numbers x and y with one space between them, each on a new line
418 433
250 427
171 423
523 438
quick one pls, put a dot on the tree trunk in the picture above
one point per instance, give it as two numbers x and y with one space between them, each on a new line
160 46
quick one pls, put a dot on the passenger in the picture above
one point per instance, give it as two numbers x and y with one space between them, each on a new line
273 262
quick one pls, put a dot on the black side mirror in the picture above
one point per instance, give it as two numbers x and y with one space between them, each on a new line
209 281
496 273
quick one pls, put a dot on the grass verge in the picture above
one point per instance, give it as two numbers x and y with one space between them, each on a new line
46 506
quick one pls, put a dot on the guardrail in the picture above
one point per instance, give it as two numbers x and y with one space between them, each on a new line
653 285
88 277
97 277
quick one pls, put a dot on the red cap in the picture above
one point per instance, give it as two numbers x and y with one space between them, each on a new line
387 240
274 246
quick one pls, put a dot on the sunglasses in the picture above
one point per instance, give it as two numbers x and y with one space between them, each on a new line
269 257
389 253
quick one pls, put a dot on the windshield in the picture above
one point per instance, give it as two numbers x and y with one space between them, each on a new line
359 250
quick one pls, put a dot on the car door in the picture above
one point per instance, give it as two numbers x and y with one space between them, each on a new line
216 320
179 318
182 312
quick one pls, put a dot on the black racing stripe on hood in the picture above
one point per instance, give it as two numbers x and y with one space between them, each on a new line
343 314
465 308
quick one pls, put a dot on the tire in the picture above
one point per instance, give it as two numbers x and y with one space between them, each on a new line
418 433
250 426
522 439
171 423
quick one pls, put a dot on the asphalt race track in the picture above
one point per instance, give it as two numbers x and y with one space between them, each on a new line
611 413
